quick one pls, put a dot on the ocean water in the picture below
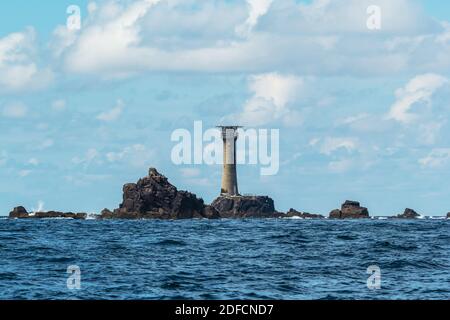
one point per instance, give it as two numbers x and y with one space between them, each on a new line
225 259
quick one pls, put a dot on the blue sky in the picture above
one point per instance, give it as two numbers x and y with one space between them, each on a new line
362 114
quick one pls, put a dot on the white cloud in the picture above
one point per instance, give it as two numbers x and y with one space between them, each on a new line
113 114
314 38
314 141
33 161
47 143
201 182
24 173
192 177
257 8
436 158
18 70
444 37
59 105
15 110
114 33
354 119
329 145
429 132
190 172
137 155
271 95
418 90
83 179
346 16
91 155
340 166
3 158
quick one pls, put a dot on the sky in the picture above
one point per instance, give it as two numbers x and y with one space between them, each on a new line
362 114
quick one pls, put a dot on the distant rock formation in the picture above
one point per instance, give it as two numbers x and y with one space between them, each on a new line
19 212
408 214
22 213
245 207
448 215
57 214
305 215
153 197
350 210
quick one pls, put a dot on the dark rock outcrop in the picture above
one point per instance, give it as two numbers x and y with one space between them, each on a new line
408 214
245 207
19 212
106 214
211 213
350 210
22 213
305 215
153 197
448 215
57 214
335 214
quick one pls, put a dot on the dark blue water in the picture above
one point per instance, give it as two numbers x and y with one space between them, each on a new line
226 259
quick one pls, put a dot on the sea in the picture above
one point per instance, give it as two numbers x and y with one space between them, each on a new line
287 259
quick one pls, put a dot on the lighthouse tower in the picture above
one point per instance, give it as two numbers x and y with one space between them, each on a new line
229 177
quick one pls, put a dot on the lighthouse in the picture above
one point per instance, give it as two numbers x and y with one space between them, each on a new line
229 176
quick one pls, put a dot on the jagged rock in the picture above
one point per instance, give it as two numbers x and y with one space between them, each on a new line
409 214
245 207
19 212
305 215
350 210
153 197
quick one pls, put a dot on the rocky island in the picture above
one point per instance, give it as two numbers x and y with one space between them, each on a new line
408 214
350 210
154 197
22 213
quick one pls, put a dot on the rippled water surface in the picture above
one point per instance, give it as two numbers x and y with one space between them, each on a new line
225 259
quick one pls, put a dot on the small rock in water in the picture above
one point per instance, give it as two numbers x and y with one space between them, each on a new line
409 214
245 207
19 212
305 215
350 210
